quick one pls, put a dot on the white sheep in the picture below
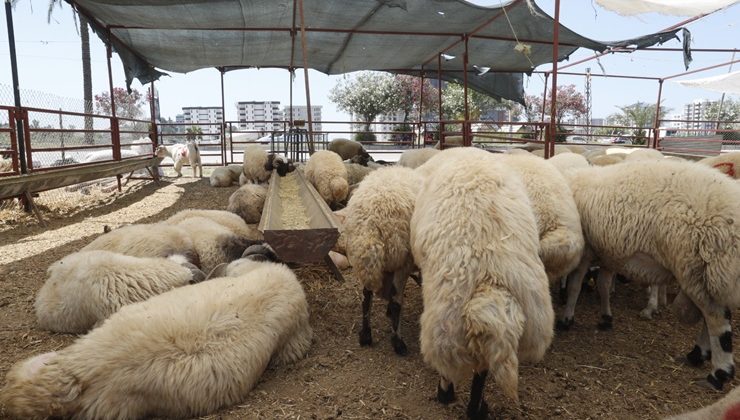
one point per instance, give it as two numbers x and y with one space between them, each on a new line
254 169
416 157
326 171
6 165
225 176
86 287
606 160
375 235
247 202
727 163
153 240
185 353
644 154
214 243
558 150
487 303
227 219
181 153
567 161
142 146
669 221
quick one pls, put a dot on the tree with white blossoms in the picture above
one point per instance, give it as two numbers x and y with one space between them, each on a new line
366 95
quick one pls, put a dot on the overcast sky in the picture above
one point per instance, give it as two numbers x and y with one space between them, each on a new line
49 61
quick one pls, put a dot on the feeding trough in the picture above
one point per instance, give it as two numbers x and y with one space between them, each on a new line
297 223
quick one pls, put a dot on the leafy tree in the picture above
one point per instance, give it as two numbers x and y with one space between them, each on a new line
193 132
84 31
640 116
453 103
571 104
406 95
730 112
127 105
367 95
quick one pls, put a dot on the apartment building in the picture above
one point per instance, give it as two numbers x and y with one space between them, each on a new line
300 112
260 116
212 116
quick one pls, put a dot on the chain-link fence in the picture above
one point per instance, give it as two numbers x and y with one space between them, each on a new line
62 132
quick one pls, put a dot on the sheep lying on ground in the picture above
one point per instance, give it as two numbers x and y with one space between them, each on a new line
375 230
669 220
727 163
86 287
142 146
225 218
182 153
326 171
247 202
225 176
194 350
214 243
450 141
487 303
416 157
6 165
347 149
154 240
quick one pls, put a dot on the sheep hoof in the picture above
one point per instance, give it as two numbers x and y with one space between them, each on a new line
481 413
719 377
606 323
399 346
366 338
646 314
446 397
564 324
696 358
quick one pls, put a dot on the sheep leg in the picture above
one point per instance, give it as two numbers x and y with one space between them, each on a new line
604 284
575 281
395 303
366 336
652 306
701 350
477 407
563 291
445 391
720 342
178 167
663 295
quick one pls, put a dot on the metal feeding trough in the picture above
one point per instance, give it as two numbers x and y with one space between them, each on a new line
297 223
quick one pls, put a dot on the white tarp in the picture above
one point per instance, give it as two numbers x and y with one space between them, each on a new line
666 7
726 83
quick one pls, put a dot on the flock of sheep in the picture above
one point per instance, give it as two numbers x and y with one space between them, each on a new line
183 316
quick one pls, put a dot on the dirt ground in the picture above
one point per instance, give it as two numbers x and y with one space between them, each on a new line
634 371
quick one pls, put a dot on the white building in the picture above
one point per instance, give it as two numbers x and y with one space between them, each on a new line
260 116
676 122
390 123
210 116
300 112
695 114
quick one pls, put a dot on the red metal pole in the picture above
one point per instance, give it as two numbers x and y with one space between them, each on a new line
421 107
467 141
439 93
153 112
549 151
544 98
223 120
305 75
115 136
656 126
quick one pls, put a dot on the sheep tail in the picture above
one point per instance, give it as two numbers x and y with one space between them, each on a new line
494 323
562 247
368 264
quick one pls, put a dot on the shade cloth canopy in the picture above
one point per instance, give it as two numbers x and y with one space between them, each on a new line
725 83
400 36
666 7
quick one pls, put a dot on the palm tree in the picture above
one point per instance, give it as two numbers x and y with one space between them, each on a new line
84 30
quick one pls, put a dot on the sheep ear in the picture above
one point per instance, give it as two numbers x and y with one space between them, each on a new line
341 215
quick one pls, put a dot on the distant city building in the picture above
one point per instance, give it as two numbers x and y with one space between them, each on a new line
300 112
695 114
180 119
597 121
260 116
675 122
383 131
210 116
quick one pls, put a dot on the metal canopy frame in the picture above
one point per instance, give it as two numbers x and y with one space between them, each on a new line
297 13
